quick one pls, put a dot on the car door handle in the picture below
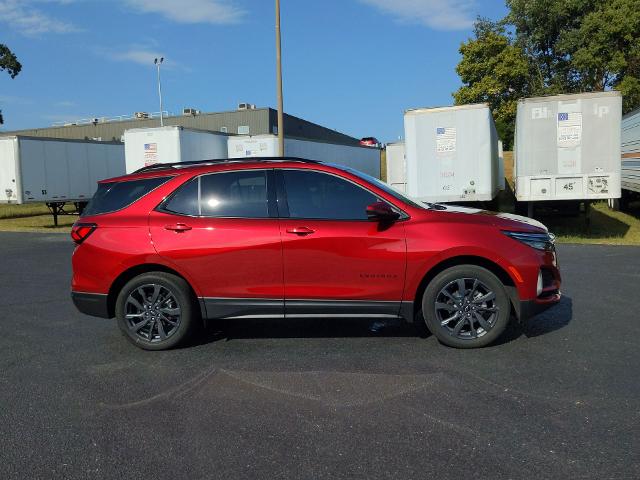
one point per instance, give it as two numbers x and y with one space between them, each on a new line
178 227
300 231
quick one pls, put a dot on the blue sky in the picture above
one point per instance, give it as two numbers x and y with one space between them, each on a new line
351 65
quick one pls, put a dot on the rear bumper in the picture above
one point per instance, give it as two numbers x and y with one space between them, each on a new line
94 304
531 308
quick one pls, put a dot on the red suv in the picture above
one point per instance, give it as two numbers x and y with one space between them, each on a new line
173 244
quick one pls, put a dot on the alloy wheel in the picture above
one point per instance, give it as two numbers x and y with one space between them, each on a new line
466 308
152 312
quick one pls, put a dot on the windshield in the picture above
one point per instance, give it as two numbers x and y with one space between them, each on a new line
387 188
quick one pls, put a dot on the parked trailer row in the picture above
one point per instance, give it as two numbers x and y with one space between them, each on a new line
59 172
364 159
567 149
55 171
148 146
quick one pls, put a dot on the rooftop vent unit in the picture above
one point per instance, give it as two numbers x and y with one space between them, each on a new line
141 115
190 111
246 106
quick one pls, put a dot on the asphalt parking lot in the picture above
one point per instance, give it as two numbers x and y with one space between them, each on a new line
557 398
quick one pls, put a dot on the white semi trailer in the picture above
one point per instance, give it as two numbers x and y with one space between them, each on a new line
567 147
55 171
452 154
364 159
396 166
630 157
171 144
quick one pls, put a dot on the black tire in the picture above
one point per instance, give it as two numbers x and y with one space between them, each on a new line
177 297
466 330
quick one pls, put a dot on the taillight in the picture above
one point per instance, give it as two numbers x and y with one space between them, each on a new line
80 231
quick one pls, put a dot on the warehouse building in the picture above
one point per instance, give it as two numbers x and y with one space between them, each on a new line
246 120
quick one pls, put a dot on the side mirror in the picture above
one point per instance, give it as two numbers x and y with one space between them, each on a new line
381 212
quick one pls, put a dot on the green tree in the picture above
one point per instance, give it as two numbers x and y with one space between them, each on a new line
538 27
9 63
548 47
604 50
495 71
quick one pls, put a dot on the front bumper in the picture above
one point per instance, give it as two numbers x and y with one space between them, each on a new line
94 304
531 308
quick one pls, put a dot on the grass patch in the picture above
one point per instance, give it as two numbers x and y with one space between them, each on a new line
34 217
606 226
17 211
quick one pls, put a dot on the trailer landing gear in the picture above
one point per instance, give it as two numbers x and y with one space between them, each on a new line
57 208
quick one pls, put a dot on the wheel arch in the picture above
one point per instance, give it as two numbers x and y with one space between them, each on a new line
133 272
479 261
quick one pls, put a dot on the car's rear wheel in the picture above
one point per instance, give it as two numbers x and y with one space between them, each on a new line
466 306
156 311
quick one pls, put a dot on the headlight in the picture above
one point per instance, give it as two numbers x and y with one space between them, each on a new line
539 241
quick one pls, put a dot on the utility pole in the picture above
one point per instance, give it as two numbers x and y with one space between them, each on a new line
157 62
279 82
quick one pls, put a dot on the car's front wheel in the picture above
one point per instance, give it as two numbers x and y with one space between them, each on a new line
156 311
466 306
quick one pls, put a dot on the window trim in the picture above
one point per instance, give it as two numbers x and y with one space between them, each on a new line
282 196
167 177
272 211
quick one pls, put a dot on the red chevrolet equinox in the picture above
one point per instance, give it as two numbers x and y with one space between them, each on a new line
173 244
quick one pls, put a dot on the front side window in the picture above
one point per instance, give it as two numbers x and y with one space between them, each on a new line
403 197
228 194
317 195
114 196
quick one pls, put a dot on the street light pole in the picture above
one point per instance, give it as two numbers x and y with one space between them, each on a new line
158 62
279 82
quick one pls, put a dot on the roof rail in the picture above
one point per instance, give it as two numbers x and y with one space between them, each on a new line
160 166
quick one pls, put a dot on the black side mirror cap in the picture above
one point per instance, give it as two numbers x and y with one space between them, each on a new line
381 212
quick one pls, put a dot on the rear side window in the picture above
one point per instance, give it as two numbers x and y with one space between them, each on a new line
117 195
240 194
185 200
234 194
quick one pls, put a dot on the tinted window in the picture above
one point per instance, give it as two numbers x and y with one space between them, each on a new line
320 195
234 194
184 200
386 188
116 195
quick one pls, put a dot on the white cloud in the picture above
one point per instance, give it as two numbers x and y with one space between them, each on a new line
22 16
66 104
138 55
141 55
191 11
12 99
436 14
